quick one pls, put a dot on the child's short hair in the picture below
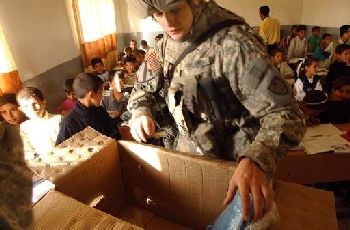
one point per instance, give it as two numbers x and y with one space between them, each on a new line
143 43
274 51
127 49
344 29
314 28
68 85
115 73
95 61
30 92
293 27
341 48
130 59
264 10
340 82
84 83
8 99
325 35
301 27
159 36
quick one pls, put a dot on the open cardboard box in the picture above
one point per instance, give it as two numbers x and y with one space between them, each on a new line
135 186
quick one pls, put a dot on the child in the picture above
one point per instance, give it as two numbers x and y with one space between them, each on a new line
313 104
87 110
314 40
338 105
40 131
116 103
340 67
140 58
324 51
298 45
9 110
99 68
307 80
276 56
130 75
68 104
293 33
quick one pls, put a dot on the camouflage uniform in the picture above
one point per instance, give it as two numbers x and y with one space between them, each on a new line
259 118
15 181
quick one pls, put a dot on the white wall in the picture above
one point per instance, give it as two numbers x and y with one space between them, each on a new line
39 34
326 13
288 12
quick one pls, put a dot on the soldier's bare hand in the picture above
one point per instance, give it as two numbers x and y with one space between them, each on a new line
142 128
250 178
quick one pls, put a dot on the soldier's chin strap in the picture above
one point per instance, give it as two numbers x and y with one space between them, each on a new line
203 37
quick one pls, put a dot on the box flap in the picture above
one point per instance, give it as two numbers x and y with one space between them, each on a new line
58 211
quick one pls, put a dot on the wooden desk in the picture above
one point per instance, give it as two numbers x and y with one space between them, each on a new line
299 167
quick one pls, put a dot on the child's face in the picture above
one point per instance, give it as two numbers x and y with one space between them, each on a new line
140 58
344 57
11 114
302 33
32 108
312 69
277 59
327 39
133 45
130 67
316 33
71 96
96 98
117 84
343 93
99 68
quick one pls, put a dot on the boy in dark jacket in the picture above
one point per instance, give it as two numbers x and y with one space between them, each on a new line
87 110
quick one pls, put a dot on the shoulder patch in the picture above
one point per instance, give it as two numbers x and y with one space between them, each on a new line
277 86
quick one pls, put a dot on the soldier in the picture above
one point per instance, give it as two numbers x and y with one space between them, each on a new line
15 181
225 96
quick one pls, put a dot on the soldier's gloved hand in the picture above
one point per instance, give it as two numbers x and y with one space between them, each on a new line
142 128
250 178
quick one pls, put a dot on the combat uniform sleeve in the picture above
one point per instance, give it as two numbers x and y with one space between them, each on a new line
141 99
268 97
15 182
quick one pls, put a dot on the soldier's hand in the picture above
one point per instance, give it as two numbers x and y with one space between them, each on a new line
142 128
250 178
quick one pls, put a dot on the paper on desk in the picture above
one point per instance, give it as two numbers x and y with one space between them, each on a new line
324 138
323 129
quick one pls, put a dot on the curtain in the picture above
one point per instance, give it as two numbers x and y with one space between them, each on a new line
95 23
9 78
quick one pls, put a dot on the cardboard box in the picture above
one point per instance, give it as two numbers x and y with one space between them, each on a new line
155 188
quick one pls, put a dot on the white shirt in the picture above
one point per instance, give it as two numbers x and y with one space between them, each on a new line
299 93
39 135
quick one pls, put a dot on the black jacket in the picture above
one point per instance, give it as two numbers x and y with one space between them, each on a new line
81 117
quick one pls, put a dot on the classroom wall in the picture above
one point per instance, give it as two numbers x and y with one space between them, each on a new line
42 42
326 13
288 12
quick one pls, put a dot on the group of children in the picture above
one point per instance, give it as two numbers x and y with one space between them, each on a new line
42 131
322 100
98 99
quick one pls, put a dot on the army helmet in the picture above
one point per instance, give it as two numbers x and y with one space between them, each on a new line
145 8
